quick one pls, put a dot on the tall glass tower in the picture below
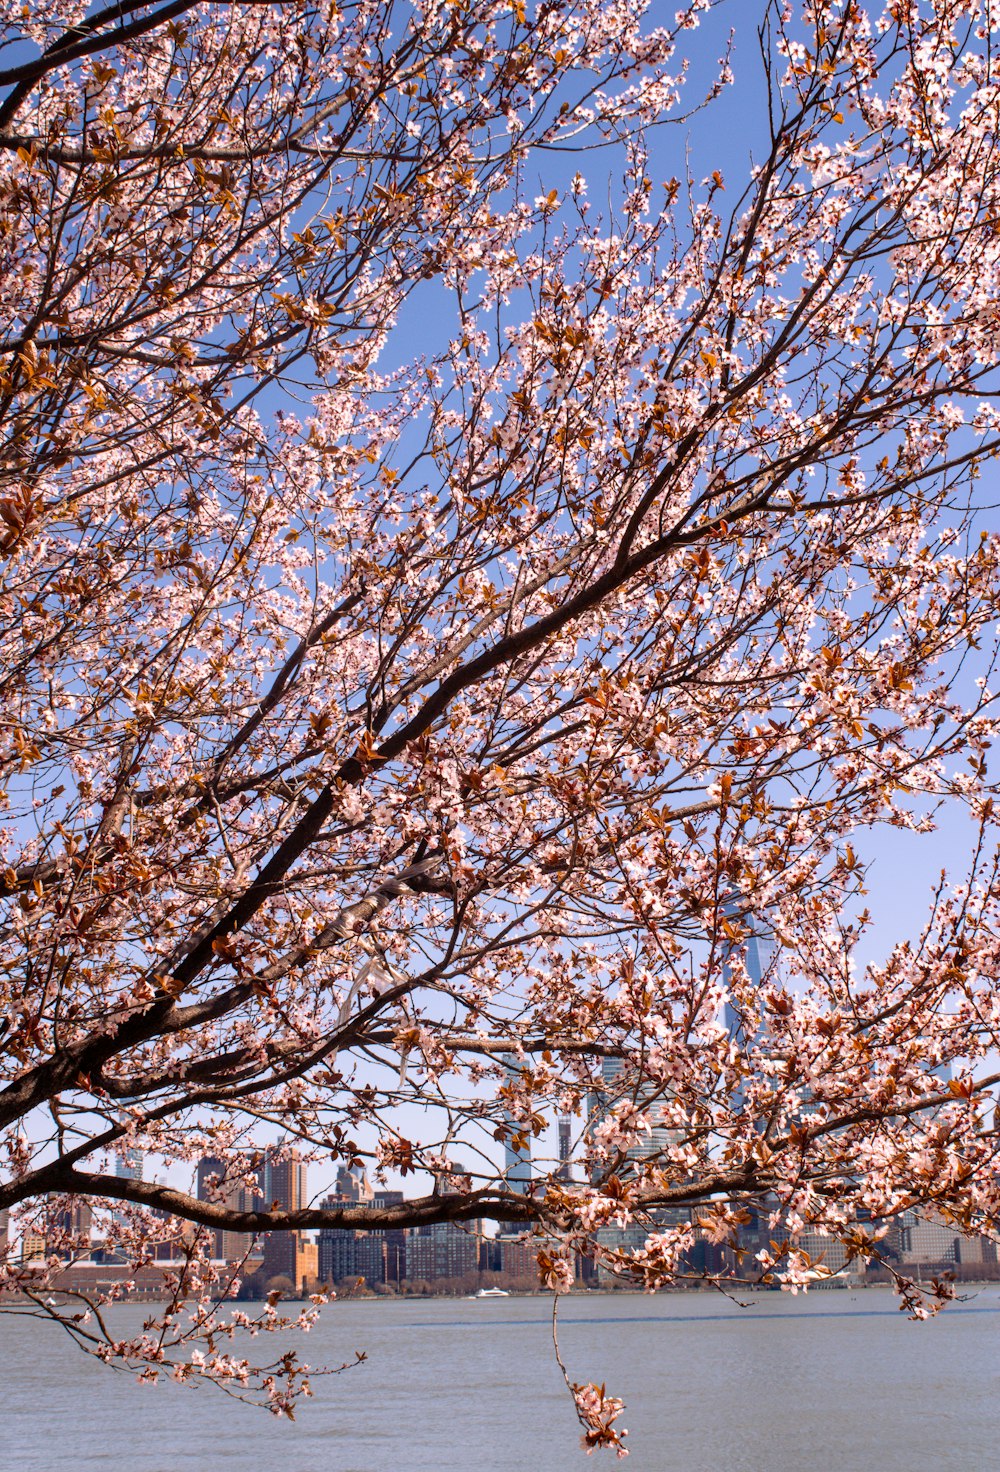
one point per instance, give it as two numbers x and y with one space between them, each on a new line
128 1165
517 1158
616 1089
565 1171
761 965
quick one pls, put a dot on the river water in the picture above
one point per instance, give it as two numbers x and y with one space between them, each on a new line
837 1381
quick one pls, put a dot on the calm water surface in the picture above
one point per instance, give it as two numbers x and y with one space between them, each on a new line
836 1381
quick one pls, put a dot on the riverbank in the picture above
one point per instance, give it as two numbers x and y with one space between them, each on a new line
148 1289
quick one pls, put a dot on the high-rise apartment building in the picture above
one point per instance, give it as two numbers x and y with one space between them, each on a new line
338 1256
283 1179
376 1256
620 1091
283 1188
444 1249
32 1247
70 1230
386 1259
217 1182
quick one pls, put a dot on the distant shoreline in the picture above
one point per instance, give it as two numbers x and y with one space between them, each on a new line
733 1291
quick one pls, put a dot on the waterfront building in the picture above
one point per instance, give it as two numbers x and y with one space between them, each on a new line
975 1252
216 1182
627 1240
337 1248
71 1230
386 1250
306 1264
619 1093
32 1247
283 1188
146 1281
519 1257
704 1257
443 1250
926 1237
376 1256
828 1253
168 1247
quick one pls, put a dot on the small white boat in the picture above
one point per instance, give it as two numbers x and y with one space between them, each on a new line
492 1293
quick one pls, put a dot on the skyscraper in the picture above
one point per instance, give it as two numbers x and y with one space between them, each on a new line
618 1090
761 963
565 1171
128 1167
444 1249
216 1182
70 1229
352 1186
387 1248
283 1187
32 1246
338 1255
129 1164
517 1147
377 1256
283 1179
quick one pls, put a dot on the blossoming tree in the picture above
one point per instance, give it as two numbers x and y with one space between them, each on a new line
445 614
